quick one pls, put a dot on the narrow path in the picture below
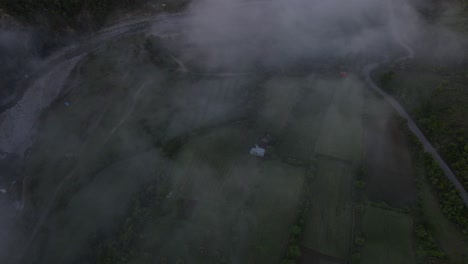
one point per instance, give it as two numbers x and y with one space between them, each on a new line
402 112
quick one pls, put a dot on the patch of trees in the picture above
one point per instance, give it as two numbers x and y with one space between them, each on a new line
293 251
119 247
444 125
77 14
386 77
426 244
59 14
427 248
451 203
442 120
360 199
293 248
433 9
159 54
464 4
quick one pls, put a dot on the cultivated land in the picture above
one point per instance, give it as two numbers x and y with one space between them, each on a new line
183 140
224 207
192 138
388 237
387 157
330 217
301 126
338 148
341 133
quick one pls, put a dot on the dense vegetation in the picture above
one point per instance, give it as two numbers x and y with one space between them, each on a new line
293 250
442 120
442 116
117 248
451 203
75 14
60 14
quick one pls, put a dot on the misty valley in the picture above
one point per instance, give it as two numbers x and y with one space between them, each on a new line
266 131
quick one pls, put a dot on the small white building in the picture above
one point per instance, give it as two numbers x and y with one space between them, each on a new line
257 151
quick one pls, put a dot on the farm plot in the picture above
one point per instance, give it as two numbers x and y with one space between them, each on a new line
330 218
389 237
309 256
239 208
280 97
302 125
341 132
191 104
388 157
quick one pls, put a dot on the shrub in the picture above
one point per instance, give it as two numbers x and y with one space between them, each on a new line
360 241
294 251
387 77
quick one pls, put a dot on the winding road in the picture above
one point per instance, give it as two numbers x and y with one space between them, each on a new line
402 112
64 60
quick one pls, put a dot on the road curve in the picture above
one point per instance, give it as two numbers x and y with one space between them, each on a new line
402 112
100 39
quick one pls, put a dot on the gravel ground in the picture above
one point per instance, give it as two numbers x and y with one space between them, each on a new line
19 123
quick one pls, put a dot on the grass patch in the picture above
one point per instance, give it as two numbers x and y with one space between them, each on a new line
243 212
341 133
302 125
280 97
387 237
388 157
329 221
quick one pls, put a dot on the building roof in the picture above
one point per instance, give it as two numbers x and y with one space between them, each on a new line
257 151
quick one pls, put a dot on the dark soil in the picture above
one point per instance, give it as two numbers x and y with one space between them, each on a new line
309 256
390 172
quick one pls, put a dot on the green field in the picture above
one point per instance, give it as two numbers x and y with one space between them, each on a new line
148 165
329 223
388 237
241 207
341 133
302 122
280 97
